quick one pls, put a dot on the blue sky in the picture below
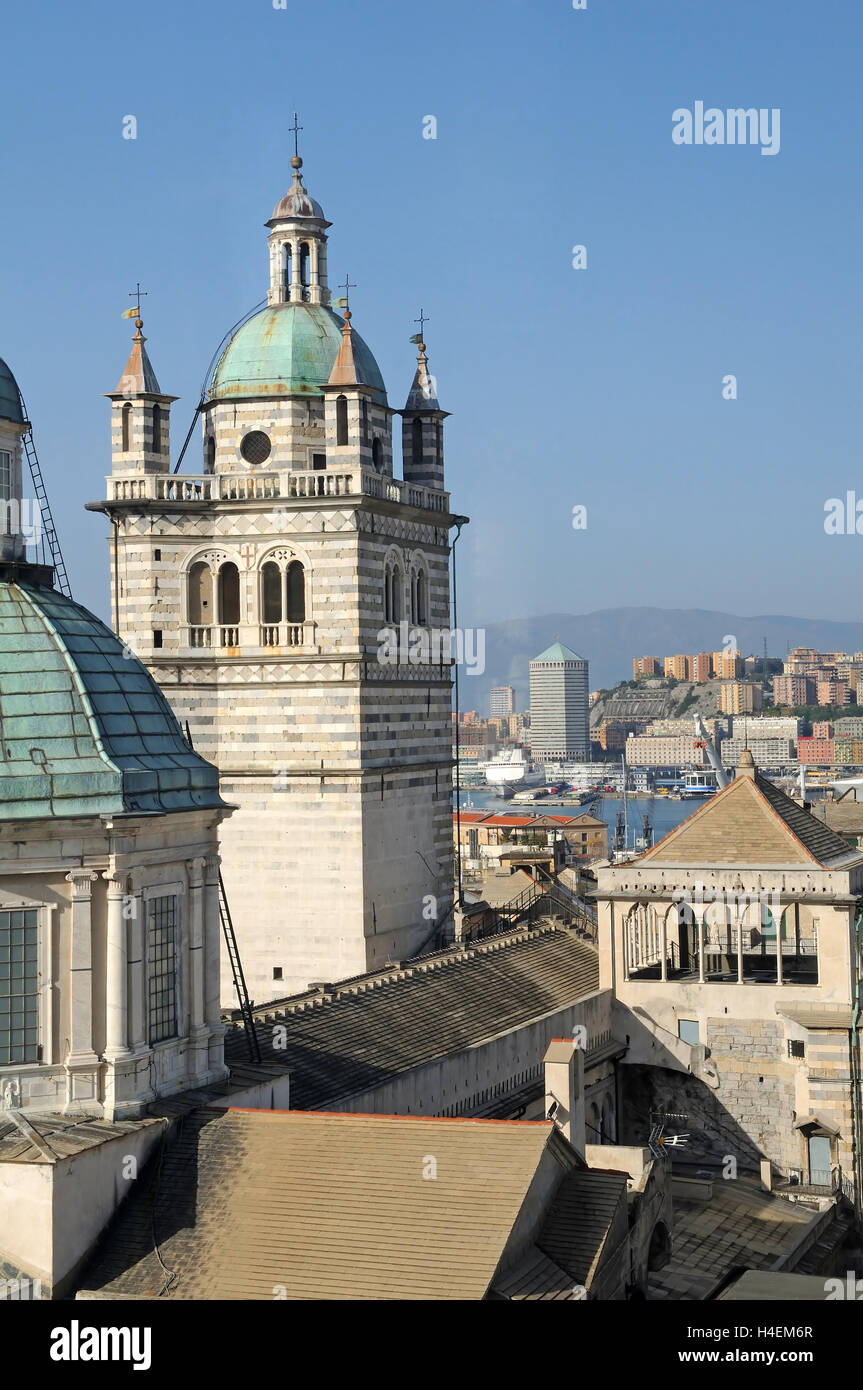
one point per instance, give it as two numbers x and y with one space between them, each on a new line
600 387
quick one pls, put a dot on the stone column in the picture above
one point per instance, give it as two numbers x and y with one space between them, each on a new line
137 974
663 940
196 956
116 1017
211 938
700 929
81 970
779 947
296 283
739 947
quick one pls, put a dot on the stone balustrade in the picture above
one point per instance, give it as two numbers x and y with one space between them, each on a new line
283 486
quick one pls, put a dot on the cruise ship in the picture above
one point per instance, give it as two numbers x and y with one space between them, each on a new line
511 771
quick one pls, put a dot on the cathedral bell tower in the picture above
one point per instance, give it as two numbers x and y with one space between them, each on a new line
260 592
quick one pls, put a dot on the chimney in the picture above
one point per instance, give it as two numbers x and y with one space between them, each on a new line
564 1089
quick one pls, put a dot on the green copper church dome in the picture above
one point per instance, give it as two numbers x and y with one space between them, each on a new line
288 349
10 396
84 728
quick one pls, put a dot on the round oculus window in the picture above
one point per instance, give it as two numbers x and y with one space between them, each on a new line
255 446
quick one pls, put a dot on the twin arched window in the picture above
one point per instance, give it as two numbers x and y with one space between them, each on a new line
282 594
392 592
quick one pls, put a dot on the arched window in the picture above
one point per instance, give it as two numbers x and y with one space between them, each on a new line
286 269
388 595
364 418
271 593
417 441
341 419
200 595
438 442
396 595
304 268
157 429
127 427
422 603
229 594
296 593
210 454
378 455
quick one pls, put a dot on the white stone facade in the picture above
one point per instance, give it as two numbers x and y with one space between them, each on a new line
339 856
94 887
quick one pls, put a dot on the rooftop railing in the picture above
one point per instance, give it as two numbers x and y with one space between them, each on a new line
273 485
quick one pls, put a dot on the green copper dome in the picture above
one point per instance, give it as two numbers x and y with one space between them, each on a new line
10 396
84 729
288 349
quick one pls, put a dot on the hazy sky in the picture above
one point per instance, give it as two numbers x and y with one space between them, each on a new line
600 387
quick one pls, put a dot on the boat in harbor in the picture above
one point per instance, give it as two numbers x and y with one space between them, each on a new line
511 771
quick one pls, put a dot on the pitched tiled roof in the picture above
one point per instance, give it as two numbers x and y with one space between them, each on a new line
263 1204
751 822
366 1031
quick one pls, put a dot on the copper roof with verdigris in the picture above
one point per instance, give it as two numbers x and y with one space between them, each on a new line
84 728
287 350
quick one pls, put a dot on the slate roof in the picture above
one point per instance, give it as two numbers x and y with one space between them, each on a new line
571 1244
366 1031
261 1204
84 728
751 822
11 407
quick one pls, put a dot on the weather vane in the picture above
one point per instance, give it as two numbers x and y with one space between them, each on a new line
347 286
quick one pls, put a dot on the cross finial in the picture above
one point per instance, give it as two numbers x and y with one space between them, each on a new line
347 286
422 321
296 129
137 294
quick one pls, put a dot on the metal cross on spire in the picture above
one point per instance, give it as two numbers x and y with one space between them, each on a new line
296 129
137 294
422 321
347 286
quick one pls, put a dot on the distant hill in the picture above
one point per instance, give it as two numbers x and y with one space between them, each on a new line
611 637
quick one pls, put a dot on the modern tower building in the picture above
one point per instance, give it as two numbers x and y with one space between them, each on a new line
260 593
501 701
559 721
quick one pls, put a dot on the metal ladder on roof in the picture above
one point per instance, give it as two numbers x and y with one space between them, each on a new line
49 529
234 958
237 972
